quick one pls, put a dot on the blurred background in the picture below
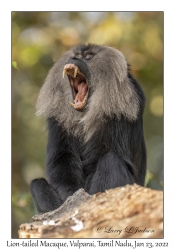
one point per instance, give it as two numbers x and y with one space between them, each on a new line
38 40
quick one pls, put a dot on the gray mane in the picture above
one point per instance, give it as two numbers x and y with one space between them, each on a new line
111 93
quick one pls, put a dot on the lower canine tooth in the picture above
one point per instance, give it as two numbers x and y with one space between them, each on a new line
72 104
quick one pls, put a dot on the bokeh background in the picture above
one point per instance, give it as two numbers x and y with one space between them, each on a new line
38 40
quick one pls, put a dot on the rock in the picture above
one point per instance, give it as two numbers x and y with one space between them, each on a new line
131 211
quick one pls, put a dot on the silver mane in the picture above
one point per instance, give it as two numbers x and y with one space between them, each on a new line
111 93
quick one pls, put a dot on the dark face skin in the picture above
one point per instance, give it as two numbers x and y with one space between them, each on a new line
78 74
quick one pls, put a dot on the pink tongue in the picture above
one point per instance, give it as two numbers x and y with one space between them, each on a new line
82 90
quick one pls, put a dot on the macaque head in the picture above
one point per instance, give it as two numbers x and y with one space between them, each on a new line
92 79
88 67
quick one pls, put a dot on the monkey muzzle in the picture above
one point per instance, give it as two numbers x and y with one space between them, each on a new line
78 83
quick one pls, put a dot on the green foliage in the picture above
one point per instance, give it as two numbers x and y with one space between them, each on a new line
14 65
38 40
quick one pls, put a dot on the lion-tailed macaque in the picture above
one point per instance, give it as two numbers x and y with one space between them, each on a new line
93 107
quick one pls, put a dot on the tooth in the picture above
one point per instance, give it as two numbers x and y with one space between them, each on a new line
64 72
85 98
75 72
72 104
80 73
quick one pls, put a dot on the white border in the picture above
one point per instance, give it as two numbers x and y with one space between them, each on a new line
5 95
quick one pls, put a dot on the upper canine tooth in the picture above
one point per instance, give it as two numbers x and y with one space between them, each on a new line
64 71
80 73
75 72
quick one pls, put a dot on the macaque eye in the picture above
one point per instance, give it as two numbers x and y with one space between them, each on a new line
89 56
78 55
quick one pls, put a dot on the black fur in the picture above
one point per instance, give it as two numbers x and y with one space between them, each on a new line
114 156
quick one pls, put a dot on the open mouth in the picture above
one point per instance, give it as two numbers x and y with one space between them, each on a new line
78 84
